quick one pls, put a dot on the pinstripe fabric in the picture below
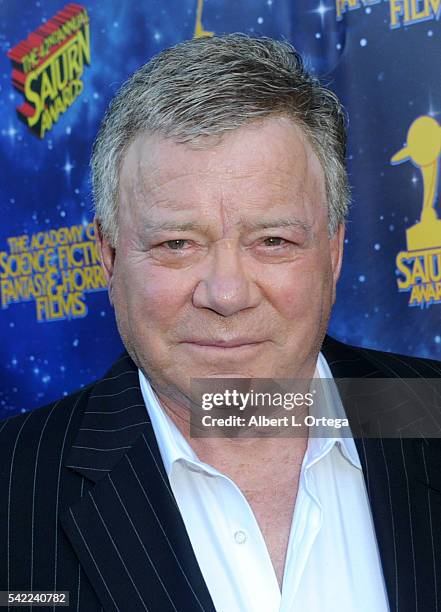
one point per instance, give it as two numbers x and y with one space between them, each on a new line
85 504
34 552
404 487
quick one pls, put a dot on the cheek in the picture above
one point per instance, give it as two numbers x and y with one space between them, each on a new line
300 291
151 292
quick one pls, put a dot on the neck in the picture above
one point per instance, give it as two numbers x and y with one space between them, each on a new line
244 460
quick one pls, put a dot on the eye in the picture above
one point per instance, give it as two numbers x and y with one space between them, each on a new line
274 241
176 245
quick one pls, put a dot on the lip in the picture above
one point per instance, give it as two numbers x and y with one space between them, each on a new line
224 344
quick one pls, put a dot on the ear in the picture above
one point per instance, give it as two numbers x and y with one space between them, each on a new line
337 246
107 256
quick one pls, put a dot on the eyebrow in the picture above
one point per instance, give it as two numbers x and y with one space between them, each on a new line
172 226
249 225
281 222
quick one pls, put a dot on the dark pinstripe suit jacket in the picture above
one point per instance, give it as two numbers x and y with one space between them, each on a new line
85 504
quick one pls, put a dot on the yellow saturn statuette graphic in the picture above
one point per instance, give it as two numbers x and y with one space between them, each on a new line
423 149
199 30
418 269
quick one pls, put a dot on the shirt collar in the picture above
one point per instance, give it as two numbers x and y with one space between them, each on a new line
172 444
329 405
174 447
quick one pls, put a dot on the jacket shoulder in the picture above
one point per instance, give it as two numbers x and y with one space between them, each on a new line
49 432
52 426
346 360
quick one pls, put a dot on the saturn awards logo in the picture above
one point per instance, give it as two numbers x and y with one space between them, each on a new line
419 266
48 65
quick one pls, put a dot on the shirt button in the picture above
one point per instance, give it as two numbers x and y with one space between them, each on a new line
240 537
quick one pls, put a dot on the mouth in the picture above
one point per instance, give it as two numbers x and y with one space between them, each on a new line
240 343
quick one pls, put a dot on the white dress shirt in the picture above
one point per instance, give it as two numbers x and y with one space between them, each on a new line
332 561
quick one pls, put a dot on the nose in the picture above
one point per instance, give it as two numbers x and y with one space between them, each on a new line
226 288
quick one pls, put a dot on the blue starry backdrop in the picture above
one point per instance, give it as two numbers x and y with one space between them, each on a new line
61 64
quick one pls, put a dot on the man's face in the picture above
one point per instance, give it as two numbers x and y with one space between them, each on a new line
223 265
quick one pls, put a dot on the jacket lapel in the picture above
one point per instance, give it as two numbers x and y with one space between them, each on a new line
127 530
132 543
403 481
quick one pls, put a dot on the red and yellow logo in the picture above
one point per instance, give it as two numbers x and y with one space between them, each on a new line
48 65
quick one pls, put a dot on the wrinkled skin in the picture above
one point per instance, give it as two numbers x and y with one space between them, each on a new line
228 243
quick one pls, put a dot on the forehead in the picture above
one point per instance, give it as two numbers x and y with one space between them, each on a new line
272 156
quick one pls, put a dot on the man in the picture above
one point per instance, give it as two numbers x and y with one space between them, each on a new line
221 194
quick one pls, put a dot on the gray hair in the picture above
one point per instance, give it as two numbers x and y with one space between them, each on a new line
208 87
